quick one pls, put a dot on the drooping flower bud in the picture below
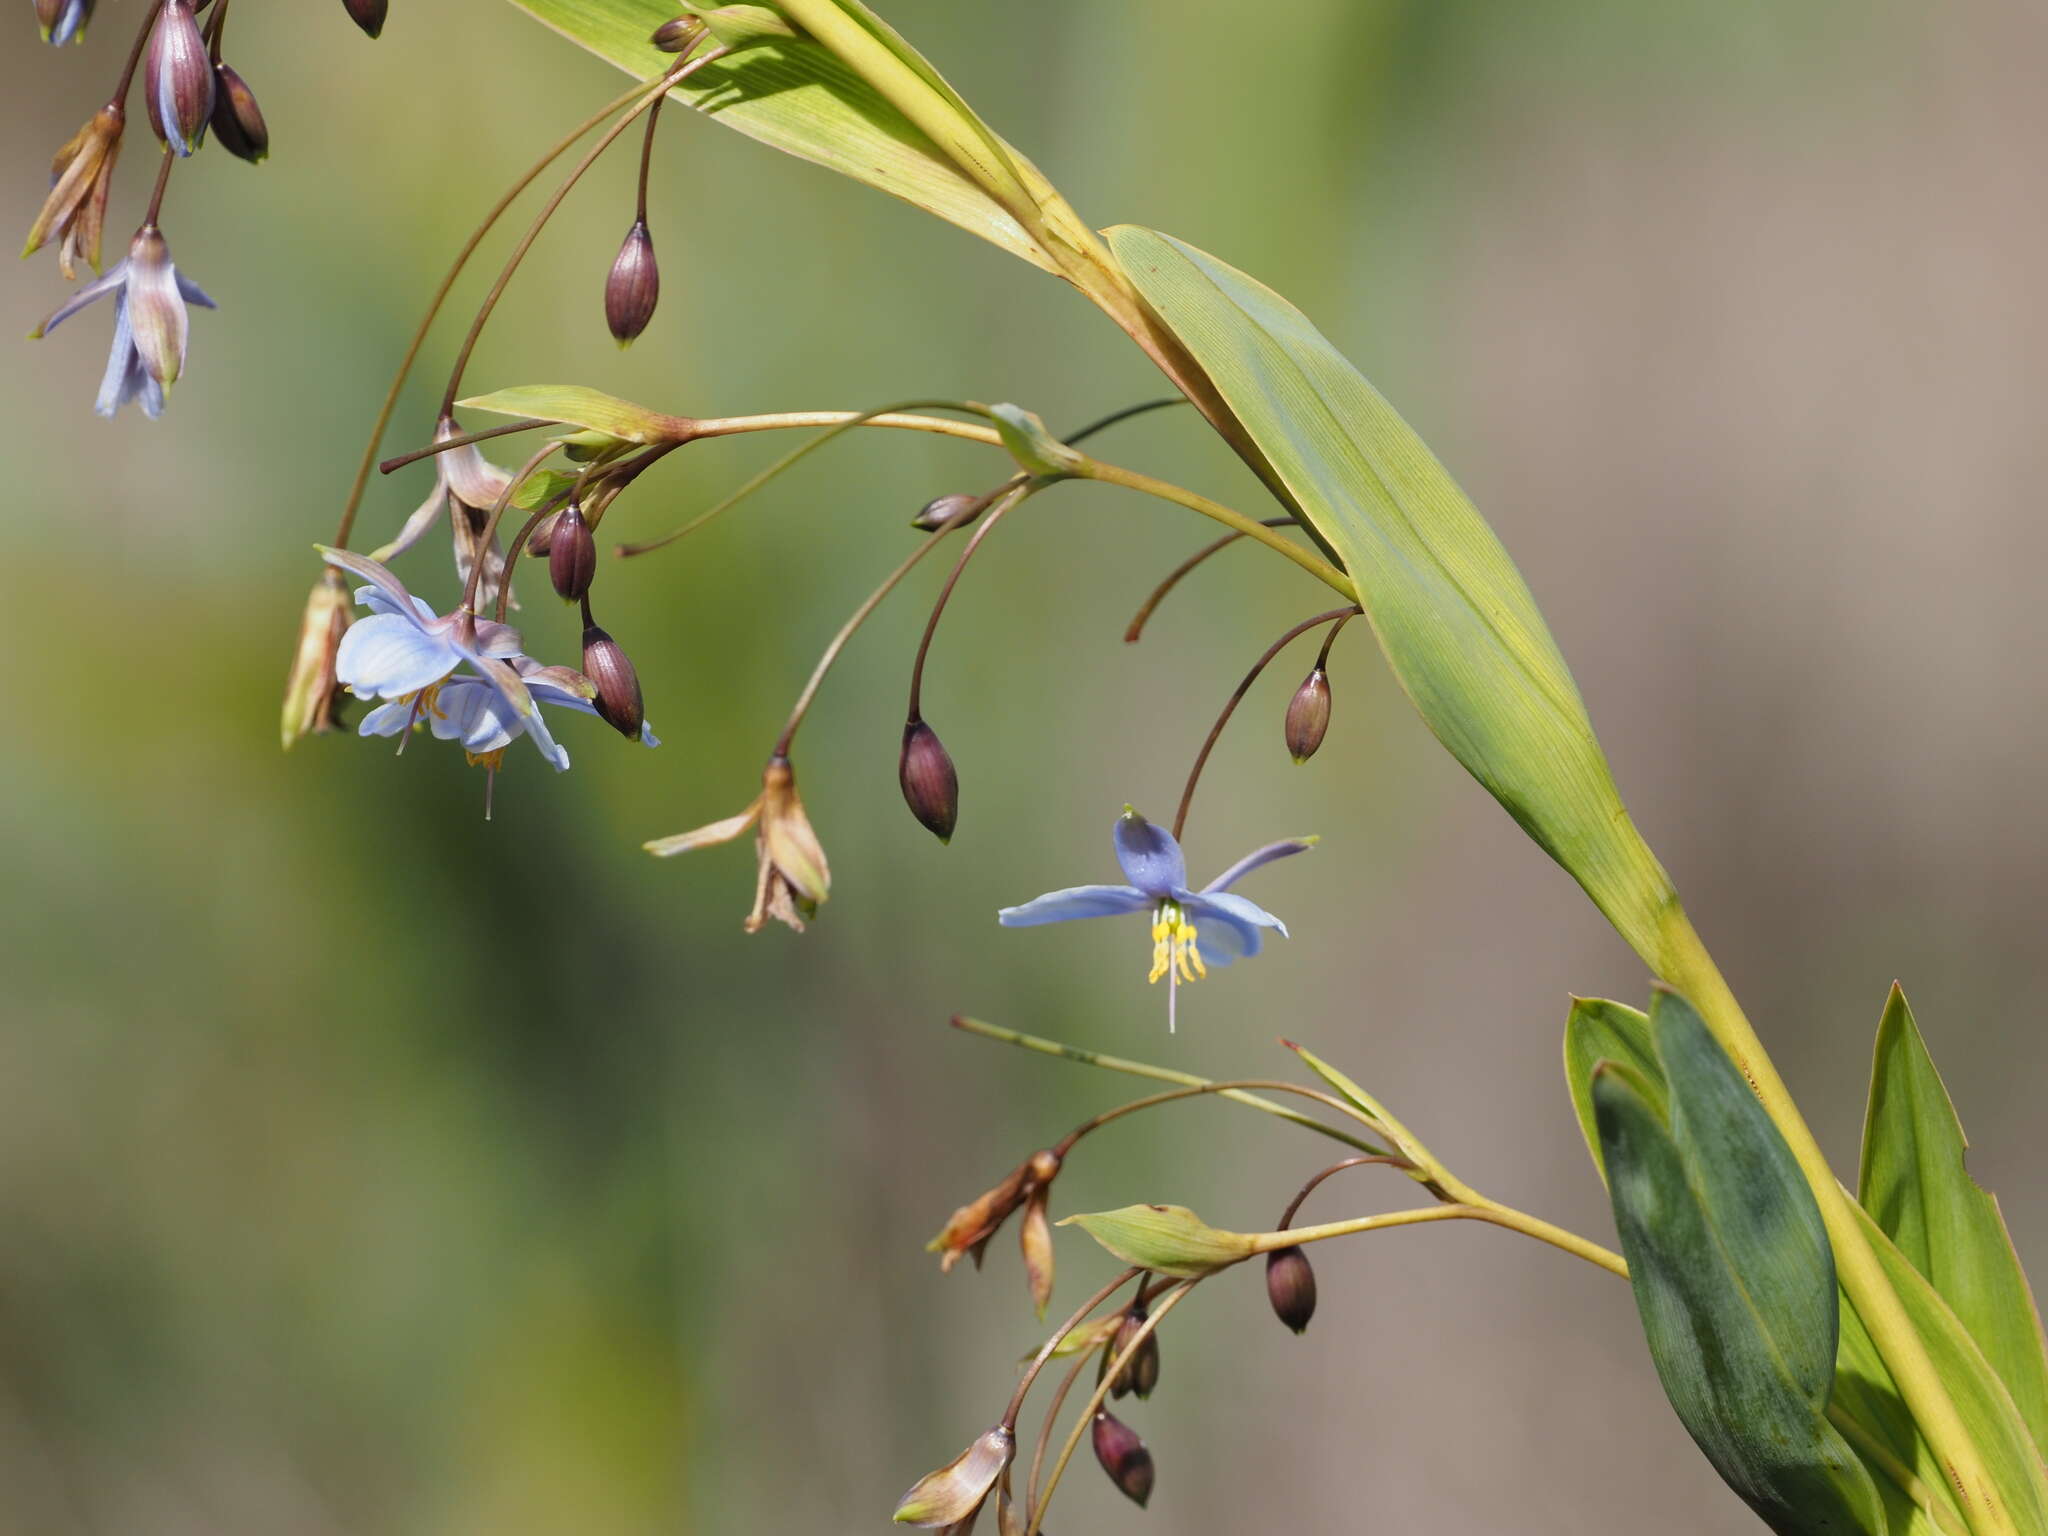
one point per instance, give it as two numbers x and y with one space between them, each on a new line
1308 715
1291 1286
62 21
610 669
572 555
1142 1374
177 78
1124 1457
678 36
633 287
941 510
368 14
237 120
931 785
310 691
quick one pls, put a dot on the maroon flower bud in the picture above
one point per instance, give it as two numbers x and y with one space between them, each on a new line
368 14
237 120
633 287
1291 1286
678 36
941 510
1142 1374
931 786
1124 1457
177 78
572 555
1308 715
541 542
610 670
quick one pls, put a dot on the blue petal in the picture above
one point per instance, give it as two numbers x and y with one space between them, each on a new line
377 600
1230 923
1075 902
385 655
387 719
471 711
1150 858
1256 857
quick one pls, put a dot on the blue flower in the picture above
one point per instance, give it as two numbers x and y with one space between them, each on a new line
402 651
1185 922
472 711
150 323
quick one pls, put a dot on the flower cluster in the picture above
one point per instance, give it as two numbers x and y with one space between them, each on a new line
187 91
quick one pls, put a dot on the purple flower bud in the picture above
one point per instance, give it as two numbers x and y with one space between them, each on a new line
678 36
1291 1286
177 78
368 14
1124 1458
237 121
63 21
572 555
633 287
1308 715
931 786
541 542
610 670
1142 1374
941 510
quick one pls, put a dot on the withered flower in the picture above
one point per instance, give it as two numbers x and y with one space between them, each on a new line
311 692
968 1229
81 176
953 1495
468 485
150 323
793 877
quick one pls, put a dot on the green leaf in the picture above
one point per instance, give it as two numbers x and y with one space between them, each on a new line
795 95
576 406
1166 1239
542 487
1458 626
1597 1031
1733 1279
1988 1413
1915 1185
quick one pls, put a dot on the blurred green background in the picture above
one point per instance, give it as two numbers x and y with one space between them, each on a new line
366 1167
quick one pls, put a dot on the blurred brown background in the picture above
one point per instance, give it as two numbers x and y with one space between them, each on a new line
368 1168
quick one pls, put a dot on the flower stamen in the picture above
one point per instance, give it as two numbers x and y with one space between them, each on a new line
1175 950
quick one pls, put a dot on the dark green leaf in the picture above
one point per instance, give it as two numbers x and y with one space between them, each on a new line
1733 1279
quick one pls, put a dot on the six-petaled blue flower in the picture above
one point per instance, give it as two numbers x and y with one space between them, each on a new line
1185 922
402 651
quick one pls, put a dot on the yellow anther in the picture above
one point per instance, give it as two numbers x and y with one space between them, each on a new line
1174 947
491 760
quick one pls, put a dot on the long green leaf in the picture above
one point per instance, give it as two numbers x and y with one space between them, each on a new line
1457 624
1987 1410
1597 1031
797 96
1915 1185
1733 1279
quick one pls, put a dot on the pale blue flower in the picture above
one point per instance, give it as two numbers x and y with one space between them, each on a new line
1191 929
68 20
472 711
403 652
150 323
